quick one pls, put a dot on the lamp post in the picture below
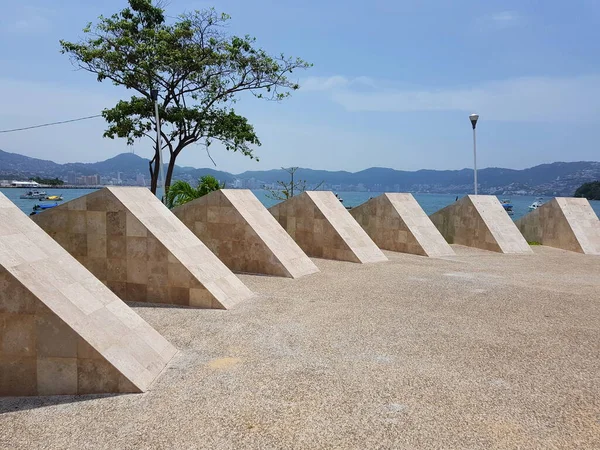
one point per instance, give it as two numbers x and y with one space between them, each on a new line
161 173
473 118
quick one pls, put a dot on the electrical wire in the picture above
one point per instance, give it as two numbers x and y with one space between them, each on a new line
50 124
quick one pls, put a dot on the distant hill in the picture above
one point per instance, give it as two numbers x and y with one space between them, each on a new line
559 178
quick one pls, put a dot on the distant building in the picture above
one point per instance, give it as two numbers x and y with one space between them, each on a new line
31 184
88 180
72 178
140 180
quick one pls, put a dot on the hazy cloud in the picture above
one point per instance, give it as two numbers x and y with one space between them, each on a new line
501 20
27 20
333 83
519 99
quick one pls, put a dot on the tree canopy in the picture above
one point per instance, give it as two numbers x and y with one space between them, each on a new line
590 190
198 68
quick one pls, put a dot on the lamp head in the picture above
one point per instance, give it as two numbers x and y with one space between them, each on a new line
473 118
154 94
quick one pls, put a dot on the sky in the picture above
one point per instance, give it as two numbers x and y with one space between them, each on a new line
392 83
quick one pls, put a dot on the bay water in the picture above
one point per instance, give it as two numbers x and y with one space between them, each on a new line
429 202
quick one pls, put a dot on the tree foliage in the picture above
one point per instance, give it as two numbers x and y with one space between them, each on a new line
199 69
182 192
590 190
48 181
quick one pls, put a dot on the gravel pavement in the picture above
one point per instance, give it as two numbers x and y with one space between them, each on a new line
476 351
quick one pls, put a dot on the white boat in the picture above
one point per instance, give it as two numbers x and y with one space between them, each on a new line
535 205
34 195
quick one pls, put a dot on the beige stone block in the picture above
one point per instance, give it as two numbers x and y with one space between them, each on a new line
200 298
116 247
137 248
157 293
86 318
480 221
98 266
179 295
78 244
14 297
57 376
96 246
77 222
55 338
137 271
18 376
96 376
95 202
136 292
17 335
78 204
119 288
135 227
116 270
116 223
156 250
324 228
96 222
179 275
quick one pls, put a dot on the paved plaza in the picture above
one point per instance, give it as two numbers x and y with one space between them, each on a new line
478 350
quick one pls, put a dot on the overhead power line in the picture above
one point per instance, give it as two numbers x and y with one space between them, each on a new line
50 124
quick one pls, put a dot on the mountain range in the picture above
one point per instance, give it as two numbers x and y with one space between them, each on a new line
559 178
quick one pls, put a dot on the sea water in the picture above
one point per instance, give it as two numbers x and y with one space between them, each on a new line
429 202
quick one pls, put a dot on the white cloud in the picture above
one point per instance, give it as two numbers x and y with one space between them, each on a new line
517 99
501 20
333 83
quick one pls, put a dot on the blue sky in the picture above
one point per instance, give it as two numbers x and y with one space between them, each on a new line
392 85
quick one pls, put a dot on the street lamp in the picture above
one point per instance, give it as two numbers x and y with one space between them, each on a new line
473 118
161 173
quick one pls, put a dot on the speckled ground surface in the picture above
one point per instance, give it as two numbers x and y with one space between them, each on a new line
480 350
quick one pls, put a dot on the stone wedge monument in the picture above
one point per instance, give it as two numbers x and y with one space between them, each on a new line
140 250
61 330
323 228
480 221
397 222
236 226
567 223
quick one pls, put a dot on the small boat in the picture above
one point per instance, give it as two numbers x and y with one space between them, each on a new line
56 198
535 205
508 207
34 195
43 206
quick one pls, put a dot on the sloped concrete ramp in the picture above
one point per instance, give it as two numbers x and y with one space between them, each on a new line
131 242
480 221
395 221
61 330
236 226
323 228
567 223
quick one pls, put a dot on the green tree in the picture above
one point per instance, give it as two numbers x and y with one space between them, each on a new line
48 181
182 192
590 190
198 69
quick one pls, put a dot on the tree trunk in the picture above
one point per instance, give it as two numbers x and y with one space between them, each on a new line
153 174
171 166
